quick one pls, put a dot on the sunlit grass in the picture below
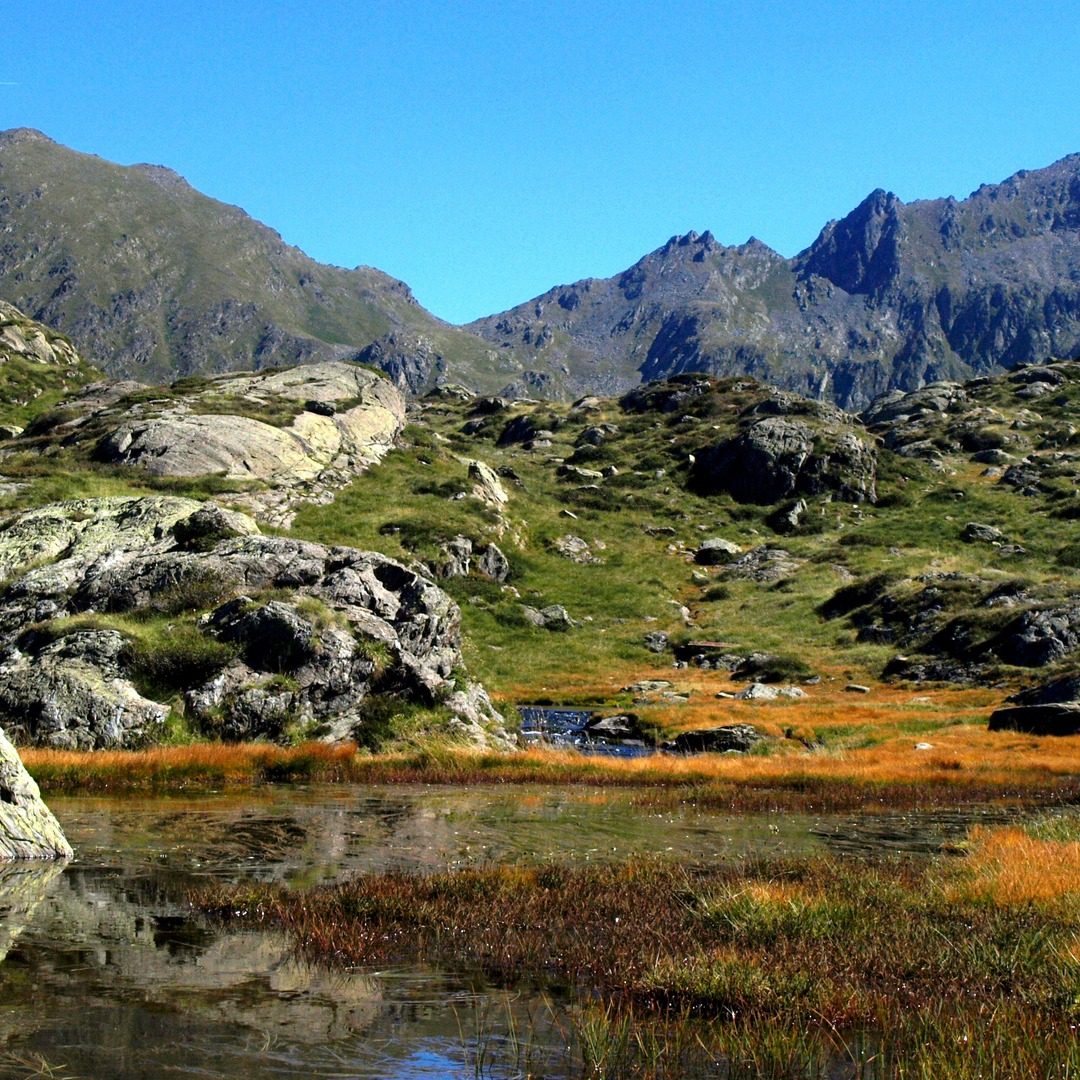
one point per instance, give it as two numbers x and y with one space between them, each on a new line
807 967
176 768
966 765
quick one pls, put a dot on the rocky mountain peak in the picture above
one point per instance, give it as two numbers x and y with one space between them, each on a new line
23 135
861 252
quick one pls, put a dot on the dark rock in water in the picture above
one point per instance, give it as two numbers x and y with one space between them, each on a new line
622 728
737 738
1062 718
1065 689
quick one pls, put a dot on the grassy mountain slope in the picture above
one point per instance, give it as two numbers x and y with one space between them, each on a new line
853 546
155 280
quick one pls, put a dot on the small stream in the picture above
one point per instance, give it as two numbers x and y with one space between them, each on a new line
106 972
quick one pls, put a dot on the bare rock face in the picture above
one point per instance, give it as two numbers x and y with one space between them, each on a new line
258 636
28 829
301 433
779 457
30 340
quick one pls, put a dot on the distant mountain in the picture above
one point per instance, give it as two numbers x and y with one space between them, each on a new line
893 296
153 280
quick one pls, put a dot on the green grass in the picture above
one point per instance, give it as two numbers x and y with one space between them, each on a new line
774 967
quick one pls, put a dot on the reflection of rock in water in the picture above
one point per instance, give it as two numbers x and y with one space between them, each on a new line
102 933
23 885
27 828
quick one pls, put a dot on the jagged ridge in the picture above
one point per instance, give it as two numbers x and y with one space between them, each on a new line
893 296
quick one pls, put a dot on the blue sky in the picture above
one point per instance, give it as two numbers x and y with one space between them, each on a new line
484 152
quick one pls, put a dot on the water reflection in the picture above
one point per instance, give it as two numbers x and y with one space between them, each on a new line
109 973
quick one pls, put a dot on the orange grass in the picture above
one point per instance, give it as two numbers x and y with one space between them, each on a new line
1009 866
181 767
966 764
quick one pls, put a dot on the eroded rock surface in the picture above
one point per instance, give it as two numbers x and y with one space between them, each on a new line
299 434
28 829
158 603
781 456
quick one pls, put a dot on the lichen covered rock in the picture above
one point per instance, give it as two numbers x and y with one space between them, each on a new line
28 829
157 604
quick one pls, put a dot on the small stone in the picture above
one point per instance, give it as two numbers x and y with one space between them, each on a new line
976 532
716 551
856 688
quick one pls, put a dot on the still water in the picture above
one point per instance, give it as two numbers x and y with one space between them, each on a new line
105 972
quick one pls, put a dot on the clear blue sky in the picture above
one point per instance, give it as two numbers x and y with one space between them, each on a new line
484 151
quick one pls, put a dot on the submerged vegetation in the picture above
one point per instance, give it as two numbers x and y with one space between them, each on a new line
806 967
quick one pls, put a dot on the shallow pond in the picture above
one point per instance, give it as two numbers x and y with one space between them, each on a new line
106 972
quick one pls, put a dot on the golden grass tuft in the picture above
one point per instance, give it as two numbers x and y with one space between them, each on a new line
1010 866
183 767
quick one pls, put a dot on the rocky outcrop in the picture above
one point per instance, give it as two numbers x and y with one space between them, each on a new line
779 457
299 434
1063 689
27 339
34 361
716 551
461 557
892 297
256 636
1039 636
28 829
763 564
961 625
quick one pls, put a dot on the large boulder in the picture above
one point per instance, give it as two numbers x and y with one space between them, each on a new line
28 829
257 636
779 457
300 432
731 738
1062 718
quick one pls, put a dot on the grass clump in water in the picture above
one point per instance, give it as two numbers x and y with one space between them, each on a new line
812 964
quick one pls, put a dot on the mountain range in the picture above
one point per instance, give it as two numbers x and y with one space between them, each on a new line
154 280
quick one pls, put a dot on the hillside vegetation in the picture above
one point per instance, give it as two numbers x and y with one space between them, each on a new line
154 279
692 538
